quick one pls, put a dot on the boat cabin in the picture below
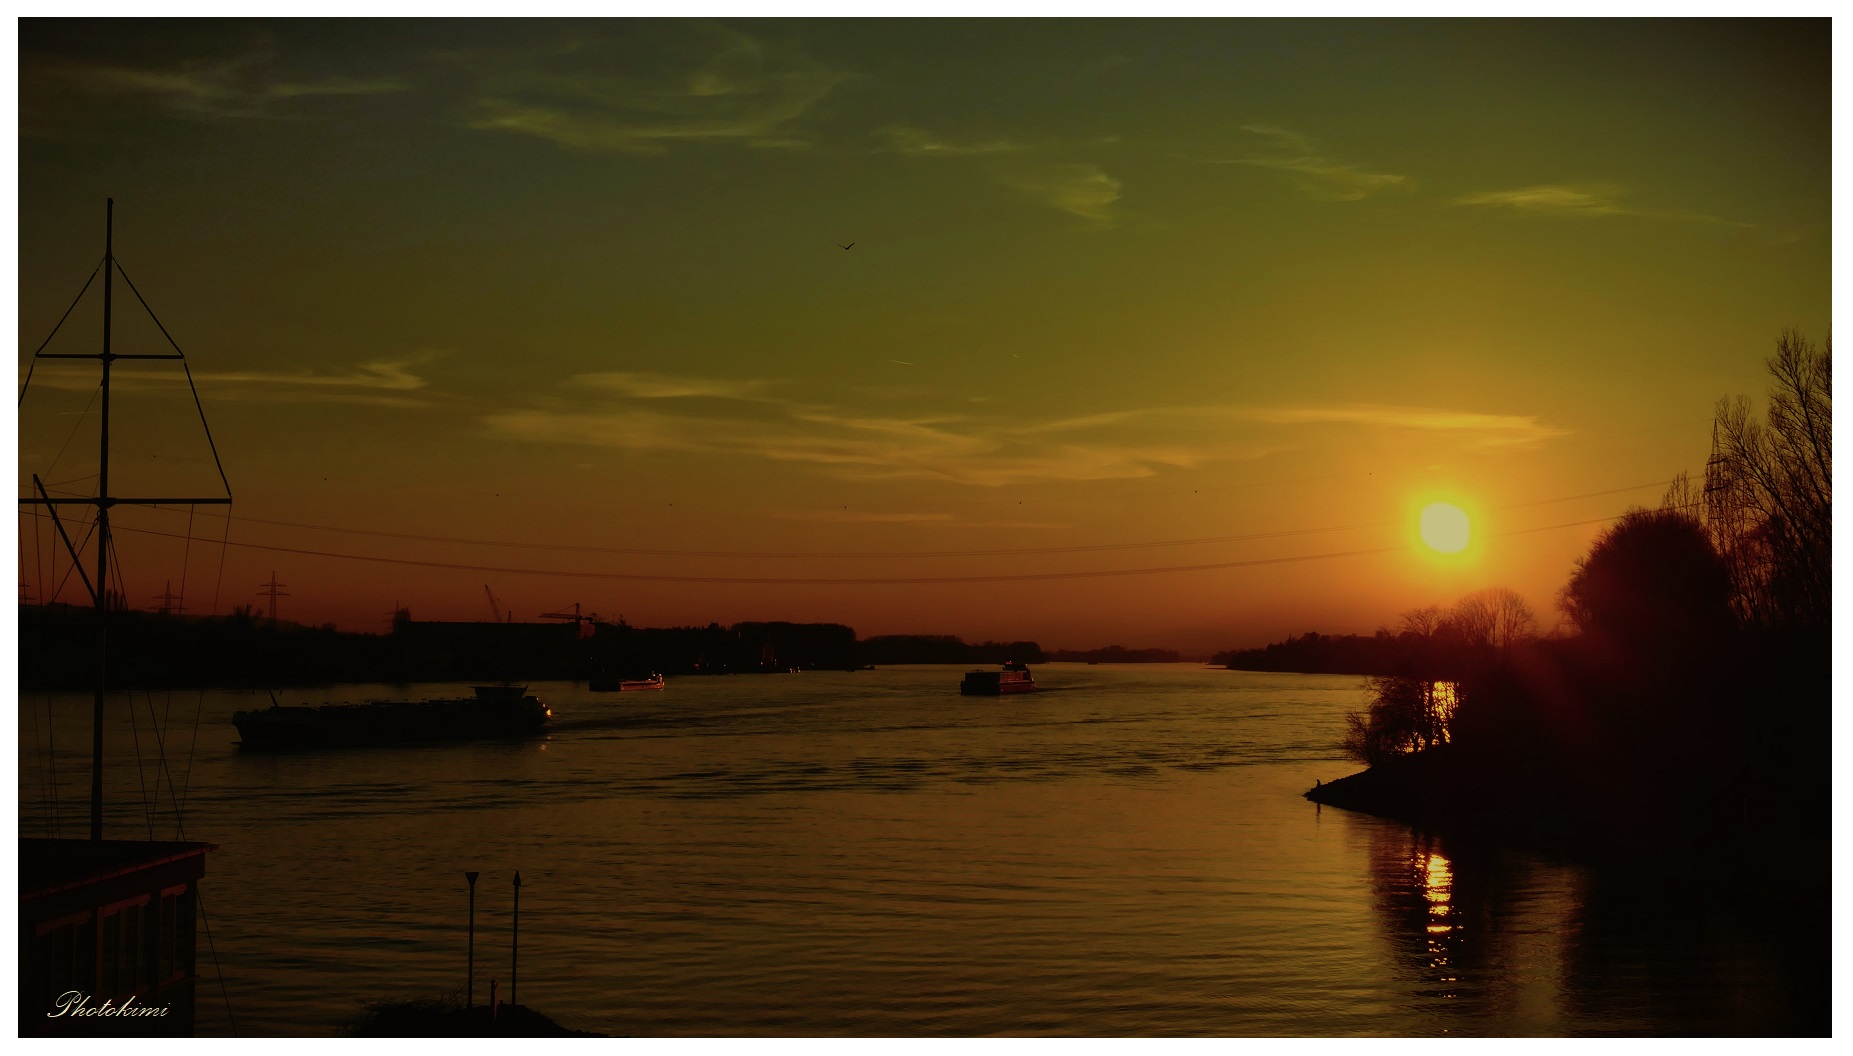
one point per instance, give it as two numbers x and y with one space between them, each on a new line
1014 678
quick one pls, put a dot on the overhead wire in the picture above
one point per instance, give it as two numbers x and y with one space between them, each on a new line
38 558
73 435
38 747
51 755
34 361
842 581
186 556
160 744
217 968
140 778
799 554
186 779
219 580
81 543
220 466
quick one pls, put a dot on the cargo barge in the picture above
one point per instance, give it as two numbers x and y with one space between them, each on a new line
494 711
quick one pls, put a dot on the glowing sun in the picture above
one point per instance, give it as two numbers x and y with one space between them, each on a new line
1445 528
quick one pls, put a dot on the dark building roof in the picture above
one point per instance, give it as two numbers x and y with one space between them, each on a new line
47 866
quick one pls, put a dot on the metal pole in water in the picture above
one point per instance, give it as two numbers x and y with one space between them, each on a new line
514 966
471 972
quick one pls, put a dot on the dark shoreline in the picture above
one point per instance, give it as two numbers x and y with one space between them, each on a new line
1774 873
1782 855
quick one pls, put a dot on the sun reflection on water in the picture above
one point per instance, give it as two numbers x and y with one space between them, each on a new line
1435 876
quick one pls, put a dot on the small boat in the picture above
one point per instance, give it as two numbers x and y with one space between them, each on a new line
494 711
620 685
1013 678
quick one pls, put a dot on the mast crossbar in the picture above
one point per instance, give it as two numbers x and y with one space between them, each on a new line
112 355
221 501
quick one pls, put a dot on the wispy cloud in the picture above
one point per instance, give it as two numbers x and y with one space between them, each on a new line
1549 198
986 452
1319 176
902 139
861 517
706 83
1082 189
1476 428
668 386
640 414
381 375
245 86
387 383
1585 200
937 520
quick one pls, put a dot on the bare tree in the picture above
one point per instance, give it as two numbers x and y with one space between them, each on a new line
1496 617
1682 496
1472 618
1768 494
1423 621
1513 619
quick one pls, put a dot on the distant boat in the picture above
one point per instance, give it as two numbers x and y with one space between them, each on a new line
620 685
1013 678
494 711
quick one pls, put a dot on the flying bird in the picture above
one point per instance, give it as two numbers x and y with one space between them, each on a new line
846 247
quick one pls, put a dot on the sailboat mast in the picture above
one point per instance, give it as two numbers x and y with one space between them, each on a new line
104 501
102 586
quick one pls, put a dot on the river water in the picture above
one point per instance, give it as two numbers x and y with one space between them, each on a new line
869 853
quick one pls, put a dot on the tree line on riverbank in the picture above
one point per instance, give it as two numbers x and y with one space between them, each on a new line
151 650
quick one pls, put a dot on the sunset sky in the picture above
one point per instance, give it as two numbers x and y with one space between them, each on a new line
1274 285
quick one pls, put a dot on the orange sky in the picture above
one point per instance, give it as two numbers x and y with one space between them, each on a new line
1115 289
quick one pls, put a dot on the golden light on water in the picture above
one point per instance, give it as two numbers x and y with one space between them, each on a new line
1445 528
1437 880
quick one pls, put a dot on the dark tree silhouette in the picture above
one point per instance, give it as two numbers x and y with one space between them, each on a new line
1652 584
1406 715
1495 617
1768 494
1422 621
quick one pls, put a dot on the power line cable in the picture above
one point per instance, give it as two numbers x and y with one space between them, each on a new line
218 465
848 581
999 552
140 778
67 440
54 330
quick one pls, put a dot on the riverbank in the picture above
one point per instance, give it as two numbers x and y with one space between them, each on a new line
1681 827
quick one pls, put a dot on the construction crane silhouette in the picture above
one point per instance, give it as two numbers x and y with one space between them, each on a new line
273 594
584 621
493 609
